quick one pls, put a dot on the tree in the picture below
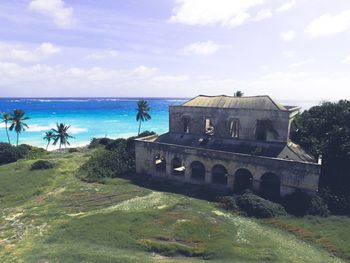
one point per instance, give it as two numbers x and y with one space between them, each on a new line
142 112
18 124
61 135
238 94
6 117
48 137
325 130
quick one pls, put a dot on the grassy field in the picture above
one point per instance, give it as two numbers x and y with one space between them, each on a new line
51 216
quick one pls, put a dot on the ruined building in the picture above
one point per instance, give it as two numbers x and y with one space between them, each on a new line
230 143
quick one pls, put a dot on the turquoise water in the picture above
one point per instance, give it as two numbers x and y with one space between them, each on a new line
88 118
94 117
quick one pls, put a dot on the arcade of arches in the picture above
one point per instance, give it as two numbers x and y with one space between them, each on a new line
270 183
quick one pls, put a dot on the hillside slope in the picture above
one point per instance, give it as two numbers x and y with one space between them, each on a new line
51 216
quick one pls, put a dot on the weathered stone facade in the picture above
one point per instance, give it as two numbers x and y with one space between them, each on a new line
217 141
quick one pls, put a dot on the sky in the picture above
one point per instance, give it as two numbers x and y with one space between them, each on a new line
288 49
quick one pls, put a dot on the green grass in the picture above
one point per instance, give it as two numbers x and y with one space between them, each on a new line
52 216
332 233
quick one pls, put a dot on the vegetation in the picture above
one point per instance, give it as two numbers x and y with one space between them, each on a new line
48 137
52 216
61 135
6 117
256 206
324 130
301 204
142 113
42 165
238 94
10 154
18 123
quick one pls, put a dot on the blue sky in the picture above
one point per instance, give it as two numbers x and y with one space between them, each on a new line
289 49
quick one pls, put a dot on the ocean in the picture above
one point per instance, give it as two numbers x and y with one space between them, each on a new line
93 117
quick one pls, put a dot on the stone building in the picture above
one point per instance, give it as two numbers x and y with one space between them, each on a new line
230 143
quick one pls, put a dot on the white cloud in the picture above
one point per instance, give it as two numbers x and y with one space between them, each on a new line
288 36
288 54
202 48
15 52
301 63
143 71
285 7
327 25
263 14
347 59
105 54
57 10
208 12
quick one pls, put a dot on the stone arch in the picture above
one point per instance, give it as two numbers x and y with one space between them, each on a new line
160 163
243 180
197 171
178 169
270 186
219 174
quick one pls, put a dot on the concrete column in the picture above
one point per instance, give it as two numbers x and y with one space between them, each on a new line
168 169
187 173
230 181
256 185
208 177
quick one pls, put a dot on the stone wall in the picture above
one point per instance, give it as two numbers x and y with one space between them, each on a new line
293 175
221 117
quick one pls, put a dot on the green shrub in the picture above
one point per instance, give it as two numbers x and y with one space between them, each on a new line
73 150
228 202
115 144
317 206
10 153
296 203
256 206
42 165
109 164
300 204
338 204
95 142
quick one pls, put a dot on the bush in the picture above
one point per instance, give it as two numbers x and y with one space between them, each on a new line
256 206
109 164
73 150
95 142
337 203
317 206
115 144
10 153
42 165
300 204
228 202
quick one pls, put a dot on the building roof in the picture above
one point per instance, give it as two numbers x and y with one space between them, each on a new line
222 101
279 150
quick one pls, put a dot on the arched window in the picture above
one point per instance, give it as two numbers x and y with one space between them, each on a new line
197 171
234 128
243 180
177 167
219 174
160 163
186 124
270 186
209 127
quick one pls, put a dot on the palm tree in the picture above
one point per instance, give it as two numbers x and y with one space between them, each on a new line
61 135
6 117
18 123
142 112
238 94
48 137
